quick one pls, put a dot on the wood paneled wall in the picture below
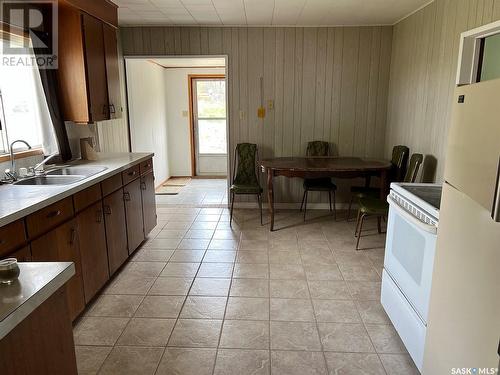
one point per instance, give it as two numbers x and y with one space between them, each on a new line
423 70
326 84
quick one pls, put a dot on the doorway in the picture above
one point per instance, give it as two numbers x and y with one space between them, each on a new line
208 125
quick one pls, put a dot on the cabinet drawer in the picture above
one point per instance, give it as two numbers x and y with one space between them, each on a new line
12 236
111 184
49 217
131 174
22 255
87 197
146 166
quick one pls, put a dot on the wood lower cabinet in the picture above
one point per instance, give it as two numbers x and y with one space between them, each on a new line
62 245
148 202
133 209
92 239
116 230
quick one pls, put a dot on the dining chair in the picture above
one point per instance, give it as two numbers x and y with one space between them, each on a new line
246 180
319 148
399 160
369 206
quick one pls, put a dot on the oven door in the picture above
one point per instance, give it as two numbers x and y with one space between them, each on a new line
409 256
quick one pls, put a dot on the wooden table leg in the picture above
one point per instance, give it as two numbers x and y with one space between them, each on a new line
270 195
383 185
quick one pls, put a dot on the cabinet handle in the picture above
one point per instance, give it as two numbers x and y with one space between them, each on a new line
99 216
72 237
126 196
143 185
132 173
53 214
107 210
105 109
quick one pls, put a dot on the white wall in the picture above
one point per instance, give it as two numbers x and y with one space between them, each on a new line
177 90
148 113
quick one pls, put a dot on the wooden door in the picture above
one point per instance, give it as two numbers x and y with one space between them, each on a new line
112 71
116 230
93 249
61 245
133 208
96 68
148 202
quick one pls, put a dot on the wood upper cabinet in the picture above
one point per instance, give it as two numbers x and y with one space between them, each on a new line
89 83
61 245
148 202
133 209
93 250
116 230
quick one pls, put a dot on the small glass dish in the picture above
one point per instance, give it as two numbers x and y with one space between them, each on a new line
9 270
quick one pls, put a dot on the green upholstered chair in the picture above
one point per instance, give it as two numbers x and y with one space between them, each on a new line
245 177
369 206
399 160
319 148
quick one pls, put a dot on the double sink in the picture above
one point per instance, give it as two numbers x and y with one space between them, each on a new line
62 176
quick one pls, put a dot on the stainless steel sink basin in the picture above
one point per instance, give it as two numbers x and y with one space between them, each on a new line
50 180
76 171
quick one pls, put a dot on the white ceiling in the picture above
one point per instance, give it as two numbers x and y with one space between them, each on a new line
265 12
197 62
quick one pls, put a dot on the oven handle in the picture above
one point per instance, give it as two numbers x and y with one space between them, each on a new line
412 219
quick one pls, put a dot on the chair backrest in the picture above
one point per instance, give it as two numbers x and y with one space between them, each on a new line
414 167
399 161
318 148
245 174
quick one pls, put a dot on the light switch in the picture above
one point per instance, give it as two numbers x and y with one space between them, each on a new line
185 113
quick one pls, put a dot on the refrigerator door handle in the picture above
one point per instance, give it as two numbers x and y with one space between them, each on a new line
495 211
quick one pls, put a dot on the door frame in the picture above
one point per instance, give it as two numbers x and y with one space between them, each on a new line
192 133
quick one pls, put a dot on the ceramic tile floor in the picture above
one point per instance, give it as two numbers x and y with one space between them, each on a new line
201 297
206 192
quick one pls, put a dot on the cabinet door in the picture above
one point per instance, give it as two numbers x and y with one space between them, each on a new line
112 71
22 255
148 202
93 249
96 68
133 208
61 245
116 230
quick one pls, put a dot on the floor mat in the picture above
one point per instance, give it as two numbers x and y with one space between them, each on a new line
169 190
177 181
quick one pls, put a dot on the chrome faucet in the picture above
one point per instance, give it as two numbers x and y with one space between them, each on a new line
43 162
12 173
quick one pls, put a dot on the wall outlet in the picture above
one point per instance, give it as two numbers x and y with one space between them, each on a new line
185 113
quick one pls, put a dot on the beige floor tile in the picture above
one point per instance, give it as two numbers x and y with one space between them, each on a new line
254 245
193 244
289 289
351 258
172 233
249 288
222 234
200 233
324 289
180 269
359 272
89 359
354 364
255 234
203 286
364 290
344 337
246 308
284 257
223 244
163 243
147 332
187 361
217 270
336 311
171 286
197 307
322 272
251 271
142 269
187 256
242 362
216 256
147 255
115 306
298 310
130 360
178 225
385 338
245 334
286 271
313 256
160 307
130 285
372 312
398 364
195 333
204 225
254 257
283 245
297 363
294 336
99 330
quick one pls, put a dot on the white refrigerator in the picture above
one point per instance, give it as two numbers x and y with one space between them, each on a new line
464 313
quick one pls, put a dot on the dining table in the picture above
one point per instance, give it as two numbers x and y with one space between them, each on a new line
320 166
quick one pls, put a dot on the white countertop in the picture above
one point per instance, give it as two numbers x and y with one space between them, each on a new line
18 201
36 283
